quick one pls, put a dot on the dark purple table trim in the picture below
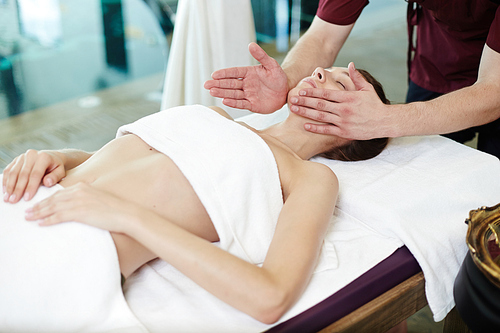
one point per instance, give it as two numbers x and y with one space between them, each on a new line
398 267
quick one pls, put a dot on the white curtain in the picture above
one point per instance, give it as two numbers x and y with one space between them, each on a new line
208 35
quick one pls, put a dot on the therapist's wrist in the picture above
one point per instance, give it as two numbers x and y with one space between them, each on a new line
405 120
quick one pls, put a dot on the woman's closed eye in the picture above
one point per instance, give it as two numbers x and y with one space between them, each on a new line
341 84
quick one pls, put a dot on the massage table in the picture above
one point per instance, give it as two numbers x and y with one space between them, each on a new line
399 217
376 301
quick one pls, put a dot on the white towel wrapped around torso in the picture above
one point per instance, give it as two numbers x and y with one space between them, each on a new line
225 164
63 278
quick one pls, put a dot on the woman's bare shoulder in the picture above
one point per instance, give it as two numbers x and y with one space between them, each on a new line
298 174
317 171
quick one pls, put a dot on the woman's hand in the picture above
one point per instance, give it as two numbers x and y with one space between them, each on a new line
23 176
85 204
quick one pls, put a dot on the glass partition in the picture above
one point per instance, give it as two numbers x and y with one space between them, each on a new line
55 50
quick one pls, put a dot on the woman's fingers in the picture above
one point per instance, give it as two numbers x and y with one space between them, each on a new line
63 206
23 176
35 174
11 178
81 203
47 207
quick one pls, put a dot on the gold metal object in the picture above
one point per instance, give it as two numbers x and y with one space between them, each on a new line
484 227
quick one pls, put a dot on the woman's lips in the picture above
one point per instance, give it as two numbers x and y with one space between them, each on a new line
311 82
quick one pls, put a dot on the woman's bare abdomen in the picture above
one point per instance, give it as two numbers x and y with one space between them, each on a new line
130 169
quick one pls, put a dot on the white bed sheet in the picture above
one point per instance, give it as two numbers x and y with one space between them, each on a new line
418 192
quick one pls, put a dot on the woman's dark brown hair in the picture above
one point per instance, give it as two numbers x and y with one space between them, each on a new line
358 150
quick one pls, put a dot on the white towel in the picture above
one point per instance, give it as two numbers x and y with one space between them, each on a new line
208 35
420 190
63 278
231 169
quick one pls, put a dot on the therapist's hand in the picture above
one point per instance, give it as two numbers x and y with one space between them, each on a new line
23 176
355 115
261 89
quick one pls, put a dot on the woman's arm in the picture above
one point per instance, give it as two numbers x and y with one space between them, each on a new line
23 176
264 293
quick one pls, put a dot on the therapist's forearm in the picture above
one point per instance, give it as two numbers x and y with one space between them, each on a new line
472 106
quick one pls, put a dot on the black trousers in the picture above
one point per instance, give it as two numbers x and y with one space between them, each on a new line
489 134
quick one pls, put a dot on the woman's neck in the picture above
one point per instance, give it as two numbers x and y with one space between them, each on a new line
305 144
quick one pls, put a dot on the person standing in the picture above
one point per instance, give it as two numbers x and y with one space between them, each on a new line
454 66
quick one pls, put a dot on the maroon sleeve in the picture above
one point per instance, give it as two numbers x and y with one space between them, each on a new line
341 12
493 40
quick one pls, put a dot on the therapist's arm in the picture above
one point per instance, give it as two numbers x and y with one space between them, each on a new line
23 176
264 88
358 115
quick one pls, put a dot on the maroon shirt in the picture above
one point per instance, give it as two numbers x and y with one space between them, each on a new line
451 37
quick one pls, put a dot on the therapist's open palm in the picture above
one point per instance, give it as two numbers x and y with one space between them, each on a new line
86 204
357 115
261 89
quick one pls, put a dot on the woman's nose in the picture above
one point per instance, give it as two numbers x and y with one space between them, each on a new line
319 73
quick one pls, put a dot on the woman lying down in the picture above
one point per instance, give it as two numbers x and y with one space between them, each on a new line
171 186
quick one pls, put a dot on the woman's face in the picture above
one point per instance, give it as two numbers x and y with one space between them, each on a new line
335 78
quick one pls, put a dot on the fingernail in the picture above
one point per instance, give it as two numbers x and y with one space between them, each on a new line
6 197
28 213
50 182
26 196
307 126
12 198
302 93
294 108
294 100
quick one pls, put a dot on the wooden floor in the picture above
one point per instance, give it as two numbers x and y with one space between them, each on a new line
85 123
